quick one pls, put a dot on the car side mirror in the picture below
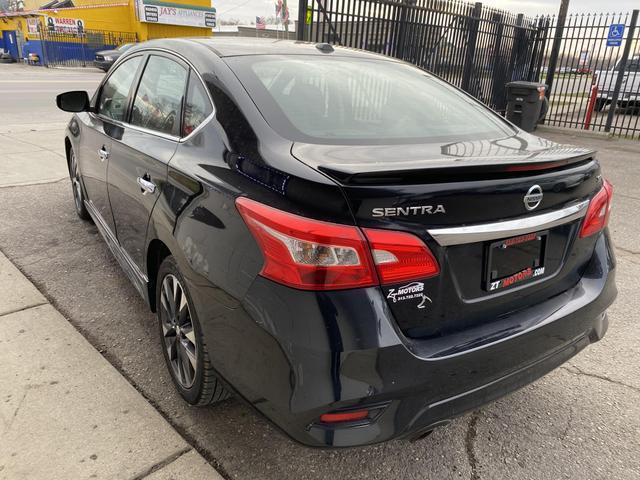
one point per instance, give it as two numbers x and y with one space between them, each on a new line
75 101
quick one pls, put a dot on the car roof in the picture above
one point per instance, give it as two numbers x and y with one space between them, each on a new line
237 46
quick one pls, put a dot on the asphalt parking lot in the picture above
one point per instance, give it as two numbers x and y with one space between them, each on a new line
570 102
582 421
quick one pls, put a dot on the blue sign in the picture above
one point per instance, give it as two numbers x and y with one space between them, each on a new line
616 32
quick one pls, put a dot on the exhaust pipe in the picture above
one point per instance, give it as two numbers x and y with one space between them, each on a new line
426 431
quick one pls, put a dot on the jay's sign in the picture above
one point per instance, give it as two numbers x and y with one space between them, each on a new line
152 11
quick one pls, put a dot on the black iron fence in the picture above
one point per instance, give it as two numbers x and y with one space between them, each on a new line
79 48
596 81
477 48
595 78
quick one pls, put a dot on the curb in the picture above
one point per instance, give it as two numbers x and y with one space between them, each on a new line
75 416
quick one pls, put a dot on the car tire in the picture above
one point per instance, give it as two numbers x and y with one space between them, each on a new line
182 342
600 104
76 187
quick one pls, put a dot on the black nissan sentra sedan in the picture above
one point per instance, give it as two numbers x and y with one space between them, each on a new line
354 247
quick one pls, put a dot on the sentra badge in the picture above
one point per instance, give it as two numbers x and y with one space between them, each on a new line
408 211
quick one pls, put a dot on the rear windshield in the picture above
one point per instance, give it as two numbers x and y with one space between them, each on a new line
354 101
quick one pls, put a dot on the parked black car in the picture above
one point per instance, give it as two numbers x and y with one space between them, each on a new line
104 59
354 247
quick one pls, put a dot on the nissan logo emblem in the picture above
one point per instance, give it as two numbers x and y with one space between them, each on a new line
533 198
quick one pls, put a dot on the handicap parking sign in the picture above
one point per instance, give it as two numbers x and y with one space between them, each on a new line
616 32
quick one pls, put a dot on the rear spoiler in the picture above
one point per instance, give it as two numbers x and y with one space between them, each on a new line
456 170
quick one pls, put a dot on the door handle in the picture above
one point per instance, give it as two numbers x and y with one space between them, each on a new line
103 153
146 186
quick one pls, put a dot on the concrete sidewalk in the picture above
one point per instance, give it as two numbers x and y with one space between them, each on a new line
67 413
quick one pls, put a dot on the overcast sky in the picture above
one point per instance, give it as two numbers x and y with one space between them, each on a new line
247 10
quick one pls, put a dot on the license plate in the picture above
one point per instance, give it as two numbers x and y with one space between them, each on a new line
515 260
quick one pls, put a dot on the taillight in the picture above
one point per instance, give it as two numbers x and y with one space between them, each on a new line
308 254
597 216
314 255
400 256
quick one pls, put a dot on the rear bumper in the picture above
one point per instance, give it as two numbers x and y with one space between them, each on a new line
433 414
295 355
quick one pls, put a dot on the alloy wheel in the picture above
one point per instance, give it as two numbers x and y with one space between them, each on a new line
75 180
178 334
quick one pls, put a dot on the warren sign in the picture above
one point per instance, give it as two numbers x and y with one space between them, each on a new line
152 11
62 25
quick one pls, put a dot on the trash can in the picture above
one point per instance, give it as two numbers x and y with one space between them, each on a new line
526 104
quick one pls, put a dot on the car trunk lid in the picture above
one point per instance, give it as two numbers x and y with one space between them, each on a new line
434 190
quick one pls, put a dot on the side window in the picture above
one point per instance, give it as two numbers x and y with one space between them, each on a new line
158 101
114 94
197 106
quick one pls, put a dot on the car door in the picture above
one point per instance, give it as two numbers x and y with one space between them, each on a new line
101 126
139 158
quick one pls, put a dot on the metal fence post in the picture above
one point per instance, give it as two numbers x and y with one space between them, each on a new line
555 49
83 38
537 54
43 45
621 71
498 64
302 19
402 32
518 33
474 23
521 56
